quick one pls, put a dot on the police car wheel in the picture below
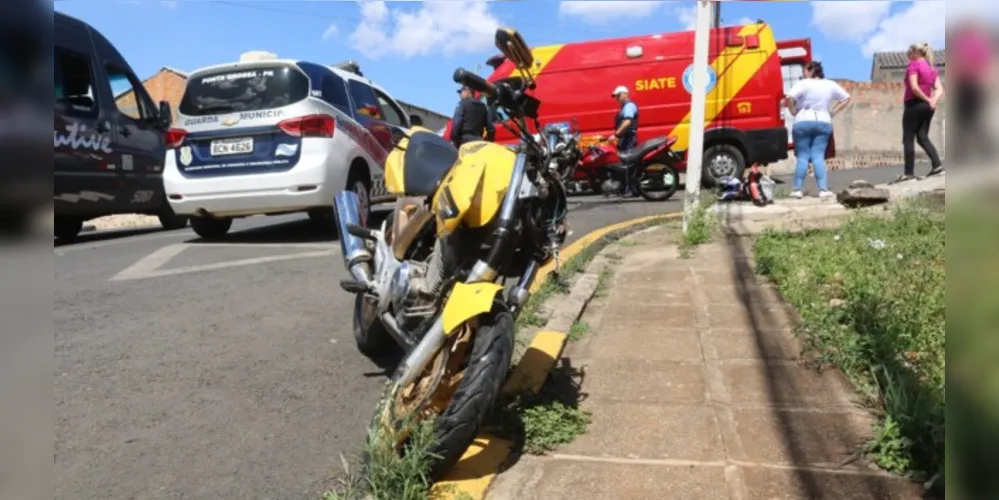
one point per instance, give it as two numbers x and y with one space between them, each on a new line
210 228
360 187
170 220
720 161
67 228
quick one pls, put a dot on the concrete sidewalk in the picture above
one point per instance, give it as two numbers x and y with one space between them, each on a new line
696 392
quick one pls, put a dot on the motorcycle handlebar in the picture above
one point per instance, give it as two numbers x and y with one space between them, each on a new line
474 82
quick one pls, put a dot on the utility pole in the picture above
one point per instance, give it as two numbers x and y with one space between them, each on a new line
698 91
716 14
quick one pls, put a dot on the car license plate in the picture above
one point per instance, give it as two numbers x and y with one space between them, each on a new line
224 147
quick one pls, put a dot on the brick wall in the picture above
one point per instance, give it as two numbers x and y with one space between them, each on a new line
869 131
163 86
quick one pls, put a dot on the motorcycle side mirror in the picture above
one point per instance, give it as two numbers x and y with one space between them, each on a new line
512 45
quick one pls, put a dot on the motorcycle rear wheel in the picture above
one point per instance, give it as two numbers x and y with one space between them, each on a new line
458 411
666 181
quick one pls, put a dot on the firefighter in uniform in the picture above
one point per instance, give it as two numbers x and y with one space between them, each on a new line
626 129
471 121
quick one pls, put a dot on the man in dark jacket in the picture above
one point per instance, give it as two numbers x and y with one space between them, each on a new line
471 120
626 130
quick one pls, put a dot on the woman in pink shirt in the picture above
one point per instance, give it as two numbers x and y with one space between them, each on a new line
923 92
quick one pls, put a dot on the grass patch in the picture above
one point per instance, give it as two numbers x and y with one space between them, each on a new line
701 227
578 330
390 476
542 422
871 295
603 282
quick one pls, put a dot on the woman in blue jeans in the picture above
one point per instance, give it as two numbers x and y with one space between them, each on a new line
813 101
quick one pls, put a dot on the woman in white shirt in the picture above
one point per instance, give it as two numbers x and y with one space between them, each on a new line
813 101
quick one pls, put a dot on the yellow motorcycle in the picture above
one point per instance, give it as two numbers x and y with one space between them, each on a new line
431 280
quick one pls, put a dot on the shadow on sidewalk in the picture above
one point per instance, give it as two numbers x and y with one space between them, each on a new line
761 320
564 385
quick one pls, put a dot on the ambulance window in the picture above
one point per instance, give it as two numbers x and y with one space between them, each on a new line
792 73
74 85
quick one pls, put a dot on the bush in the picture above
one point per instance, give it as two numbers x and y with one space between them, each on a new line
871 296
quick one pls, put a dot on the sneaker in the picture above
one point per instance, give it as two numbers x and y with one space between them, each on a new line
935 171
826 194
903 178
796 195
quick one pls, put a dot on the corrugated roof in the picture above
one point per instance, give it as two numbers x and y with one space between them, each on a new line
898 60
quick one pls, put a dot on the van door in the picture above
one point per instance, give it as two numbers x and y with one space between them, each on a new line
85 180
137 135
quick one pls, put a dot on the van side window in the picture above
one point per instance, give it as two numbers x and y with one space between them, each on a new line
393 115
335 93
130 102
74 83
365 102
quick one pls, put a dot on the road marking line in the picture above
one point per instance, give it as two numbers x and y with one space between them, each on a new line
150 263
149 266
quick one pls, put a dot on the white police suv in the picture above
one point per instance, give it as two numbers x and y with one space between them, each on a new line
272 136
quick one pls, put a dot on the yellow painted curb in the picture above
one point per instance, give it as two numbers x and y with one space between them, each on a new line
477 468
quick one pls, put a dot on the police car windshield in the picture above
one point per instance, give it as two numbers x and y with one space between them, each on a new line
243 89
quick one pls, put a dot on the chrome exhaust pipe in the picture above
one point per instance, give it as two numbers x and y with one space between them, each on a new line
356 256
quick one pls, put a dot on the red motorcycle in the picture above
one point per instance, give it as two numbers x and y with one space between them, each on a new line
651 165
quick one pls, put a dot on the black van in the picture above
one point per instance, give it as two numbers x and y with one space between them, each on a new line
108 136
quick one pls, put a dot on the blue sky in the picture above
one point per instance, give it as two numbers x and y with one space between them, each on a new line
412 48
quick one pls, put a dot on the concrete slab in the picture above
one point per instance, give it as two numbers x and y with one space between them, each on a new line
637 294
732 344
784 384
792 437
663 343
764 316
754 294
667 432
778 484
620 315
571 480
644 381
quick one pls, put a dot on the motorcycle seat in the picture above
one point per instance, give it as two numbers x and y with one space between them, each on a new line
429 157
636 154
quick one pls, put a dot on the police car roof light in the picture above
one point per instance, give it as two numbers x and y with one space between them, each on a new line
350 66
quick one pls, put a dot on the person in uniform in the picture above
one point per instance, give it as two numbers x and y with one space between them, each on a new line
626 129
471 121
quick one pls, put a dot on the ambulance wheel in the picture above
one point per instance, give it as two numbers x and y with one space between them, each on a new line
67 228
211 228
720 161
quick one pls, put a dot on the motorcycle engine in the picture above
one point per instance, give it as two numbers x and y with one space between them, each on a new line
416 286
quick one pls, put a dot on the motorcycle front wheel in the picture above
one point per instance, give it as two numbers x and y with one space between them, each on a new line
659 182
457 389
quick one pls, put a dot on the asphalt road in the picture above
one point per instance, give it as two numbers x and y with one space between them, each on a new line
191 370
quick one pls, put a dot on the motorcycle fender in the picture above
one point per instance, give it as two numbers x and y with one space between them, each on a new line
468 300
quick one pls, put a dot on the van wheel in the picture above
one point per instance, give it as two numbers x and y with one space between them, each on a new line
720 161
211 228
169 219
67 228
358 183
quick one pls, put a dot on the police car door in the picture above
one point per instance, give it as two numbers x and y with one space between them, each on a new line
369 114
84 183
137 136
